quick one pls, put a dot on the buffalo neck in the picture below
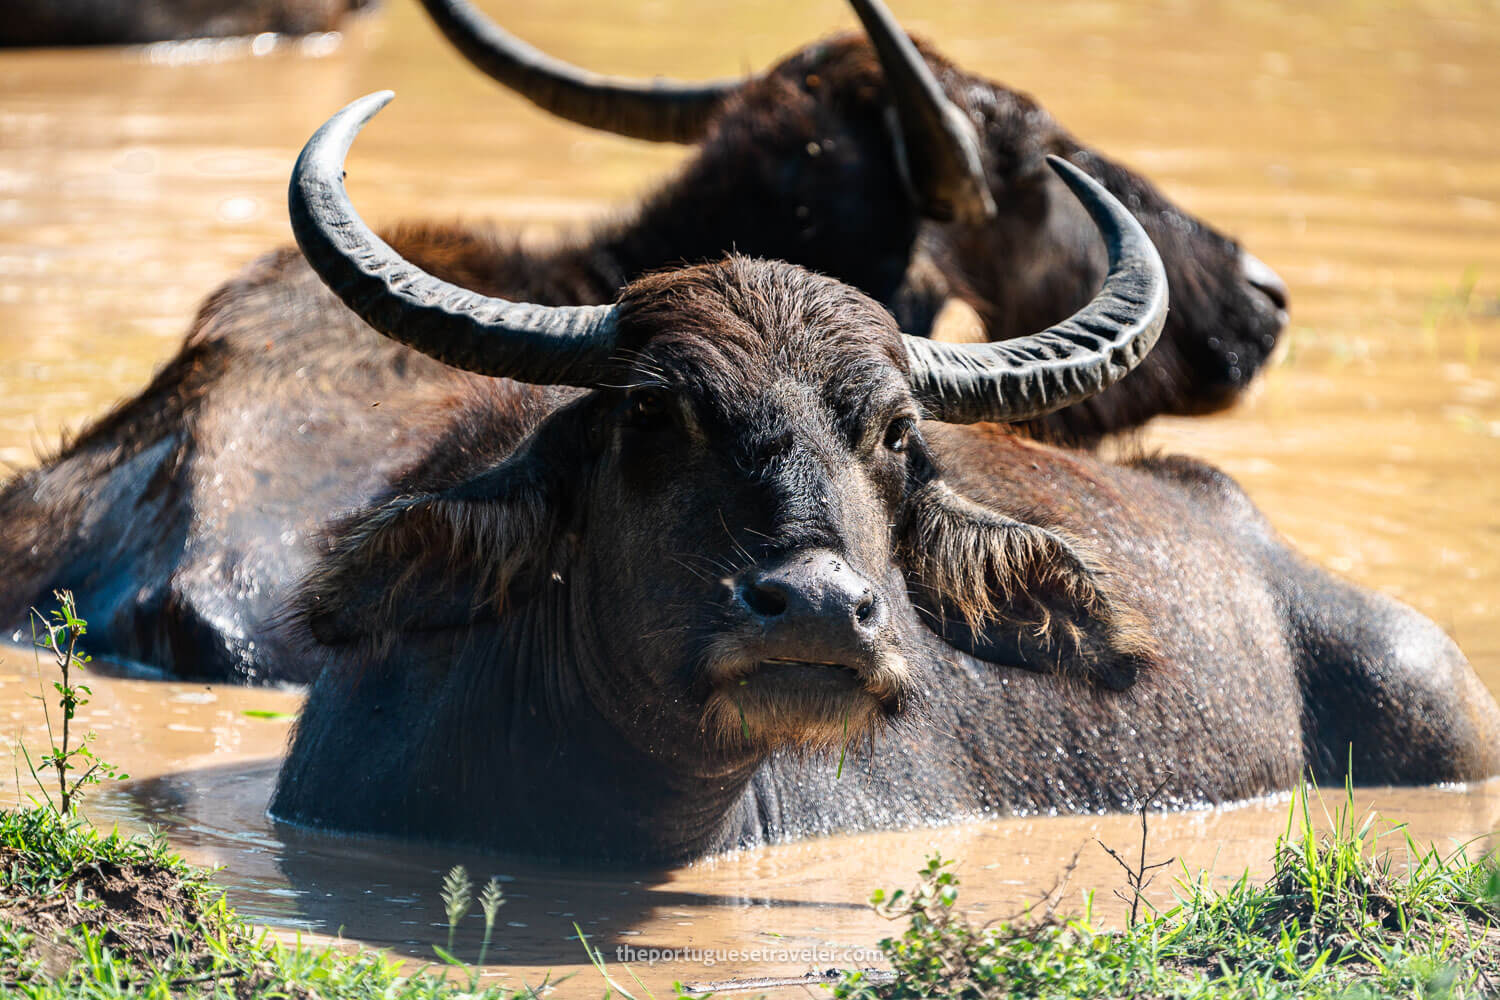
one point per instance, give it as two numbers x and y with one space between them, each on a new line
492 735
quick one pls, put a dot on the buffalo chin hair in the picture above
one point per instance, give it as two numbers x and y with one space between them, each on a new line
777 717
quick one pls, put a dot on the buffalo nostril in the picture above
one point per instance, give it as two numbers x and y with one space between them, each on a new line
1276 293
810 594
765 600
1259 274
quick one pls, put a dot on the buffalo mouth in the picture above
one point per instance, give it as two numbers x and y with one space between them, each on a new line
820 672
794 673
815 704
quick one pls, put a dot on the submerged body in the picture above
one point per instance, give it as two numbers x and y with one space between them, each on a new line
1269 668
736 546
182 519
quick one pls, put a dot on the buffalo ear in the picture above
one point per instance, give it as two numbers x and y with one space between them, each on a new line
1017 594
421 561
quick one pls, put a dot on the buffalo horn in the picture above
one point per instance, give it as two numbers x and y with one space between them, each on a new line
655 110
540 344
937 145
1026 377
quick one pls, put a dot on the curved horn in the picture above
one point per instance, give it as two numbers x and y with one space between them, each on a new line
654 110
937 145
1079 357
540 344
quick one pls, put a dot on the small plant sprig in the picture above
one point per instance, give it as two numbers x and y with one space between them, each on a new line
490 901
458 894
1138 876
59 633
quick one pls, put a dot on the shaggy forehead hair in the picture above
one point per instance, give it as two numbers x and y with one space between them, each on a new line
725 332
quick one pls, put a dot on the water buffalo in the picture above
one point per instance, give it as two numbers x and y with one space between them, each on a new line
181 519
127 22
999 230
682 548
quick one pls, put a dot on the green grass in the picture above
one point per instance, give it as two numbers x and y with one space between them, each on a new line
1342 916
99 916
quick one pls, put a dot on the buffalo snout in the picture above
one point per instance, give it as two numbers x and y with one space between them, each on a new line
813 657
1258 274
811 597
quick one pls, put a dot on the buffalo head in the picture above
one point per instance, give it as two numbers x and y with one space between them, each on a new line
739 508
868 137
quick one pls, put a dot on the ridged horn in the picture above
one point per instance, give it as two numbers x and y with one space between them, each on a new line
541 344
937 146
655 110
1083 355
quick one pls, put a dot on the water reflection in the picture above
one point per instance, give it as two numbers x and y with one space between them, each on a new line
804 898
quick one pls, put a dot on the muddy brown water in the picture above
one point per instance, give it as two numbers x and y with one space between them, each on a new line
1356 148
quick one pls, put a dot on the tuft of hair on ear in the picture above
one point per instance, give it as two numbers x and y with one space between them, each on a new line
416 563
1009 591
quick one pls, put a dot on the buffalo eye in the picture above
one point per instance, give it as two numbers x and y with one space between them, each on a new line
898 434
648 409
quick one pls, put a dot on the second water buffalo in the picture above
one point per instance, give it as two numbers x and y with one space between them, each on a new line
848 144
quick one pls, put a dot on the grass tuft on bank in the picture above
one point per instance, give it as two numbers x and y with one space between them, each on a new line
85 914
1342 916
